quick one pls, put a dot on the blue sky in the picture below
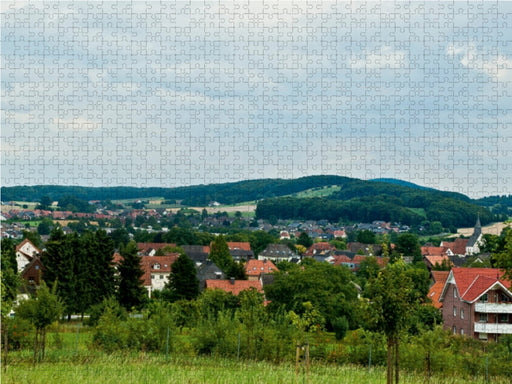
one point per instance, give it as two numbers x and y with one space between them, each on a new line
159 94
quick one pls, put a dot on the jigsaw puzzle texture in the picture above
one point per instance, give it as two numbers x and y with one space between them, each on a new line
178 93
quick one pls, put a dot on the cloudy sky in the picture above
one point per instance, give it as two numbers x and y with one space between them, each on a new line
170 94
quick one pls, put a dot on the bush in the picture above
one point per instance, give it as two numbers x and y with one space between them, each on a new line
20 333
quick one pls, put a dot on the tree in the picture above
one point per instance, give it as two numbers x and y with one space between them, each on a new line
408 244
503 259
45 202
183 283
366 237
219 253
33 237
9 270
392 296
305 240
131 292
45 226
41 311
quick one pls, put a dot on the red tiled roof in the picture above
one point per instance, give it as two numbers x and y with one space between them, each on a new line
435 290
164 263
433 251
473 282
239 246
338 259
458 247
256 267
433 260
440 276
319 248
234 287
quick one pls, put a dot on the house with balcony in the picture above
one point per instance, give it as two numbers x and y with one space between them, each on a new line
477 302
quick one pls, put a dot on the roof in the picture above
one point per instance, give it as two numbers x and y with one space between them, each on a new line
436 289
257 267
433 251
234 286
433 260
458 247
472 283
146 247
277 251
27 241
235 246
320 248
156 264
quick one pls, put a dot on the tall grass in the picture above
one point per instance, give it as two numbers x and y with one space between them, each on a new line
139 368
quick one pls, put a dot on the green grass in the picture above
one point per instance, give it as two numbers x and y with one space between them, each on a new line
318 192
418 211
94 367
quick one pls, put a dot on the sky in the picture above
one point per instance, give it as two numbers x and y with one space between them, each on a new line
168 94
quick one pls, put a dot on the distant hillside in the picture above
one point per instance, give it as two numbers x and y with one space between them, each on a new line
335 198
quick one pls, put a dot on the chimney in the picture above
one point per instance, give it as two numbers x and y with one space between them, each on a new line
232 281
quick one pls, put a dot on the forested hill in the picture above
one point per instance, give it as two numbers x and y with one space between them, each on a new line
314 197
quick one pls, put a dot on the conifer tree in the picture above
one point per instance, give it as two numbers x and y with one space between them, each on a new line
183 283
131 292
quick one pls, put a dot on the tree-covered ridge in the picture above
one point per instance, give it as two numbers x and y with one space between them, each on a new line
226 193
450 212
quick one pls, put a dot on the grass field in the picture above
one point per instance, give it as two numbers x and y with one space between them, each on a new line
318 192
138 368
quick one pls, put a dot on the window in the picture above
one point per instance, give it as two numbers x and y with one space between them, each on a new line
156 266
484 298
482 336
454 311
496 297
461 313
152 277
161 277
503 318
455 292
483 318
37 267
454 330
462 331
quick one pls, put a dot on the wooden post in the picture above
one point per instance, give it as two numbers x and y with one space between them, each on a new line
307 362
297 360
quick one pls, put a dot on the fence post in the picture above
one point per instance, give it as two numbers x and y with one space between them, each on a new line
370 359
297 360
238 348
307 362
167 345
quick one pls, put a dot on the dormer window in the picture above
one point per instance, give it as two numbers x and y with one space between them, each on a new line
156 266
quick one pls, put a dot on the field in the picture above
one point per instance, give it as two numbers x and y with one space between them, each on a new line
145 368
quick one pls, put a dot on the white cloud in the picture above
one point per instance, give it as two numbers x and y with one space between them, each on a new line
498 67
384 57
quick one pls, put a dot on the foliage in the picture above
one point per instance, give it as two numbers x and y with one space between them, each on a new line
131 292
407 244
219 253
503 259
328 288
366 237
183 283
9 272
40 311
81 268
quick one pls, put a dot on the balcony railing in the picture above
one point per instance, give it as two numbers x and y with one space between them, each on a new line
493 308
493 328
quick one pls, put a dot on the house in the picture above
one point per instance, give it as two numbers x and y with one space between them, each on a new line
240 250
366 249
456 247
157 270
32 272
477 302
150 249
25 253
209 271
234 286
434 293
277 253
284 235
433 261
198 253
320 249
255 268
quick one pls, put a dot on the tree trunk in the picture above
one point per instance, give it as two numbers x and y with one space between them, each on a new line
44 344
389 379
36 345
397 360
